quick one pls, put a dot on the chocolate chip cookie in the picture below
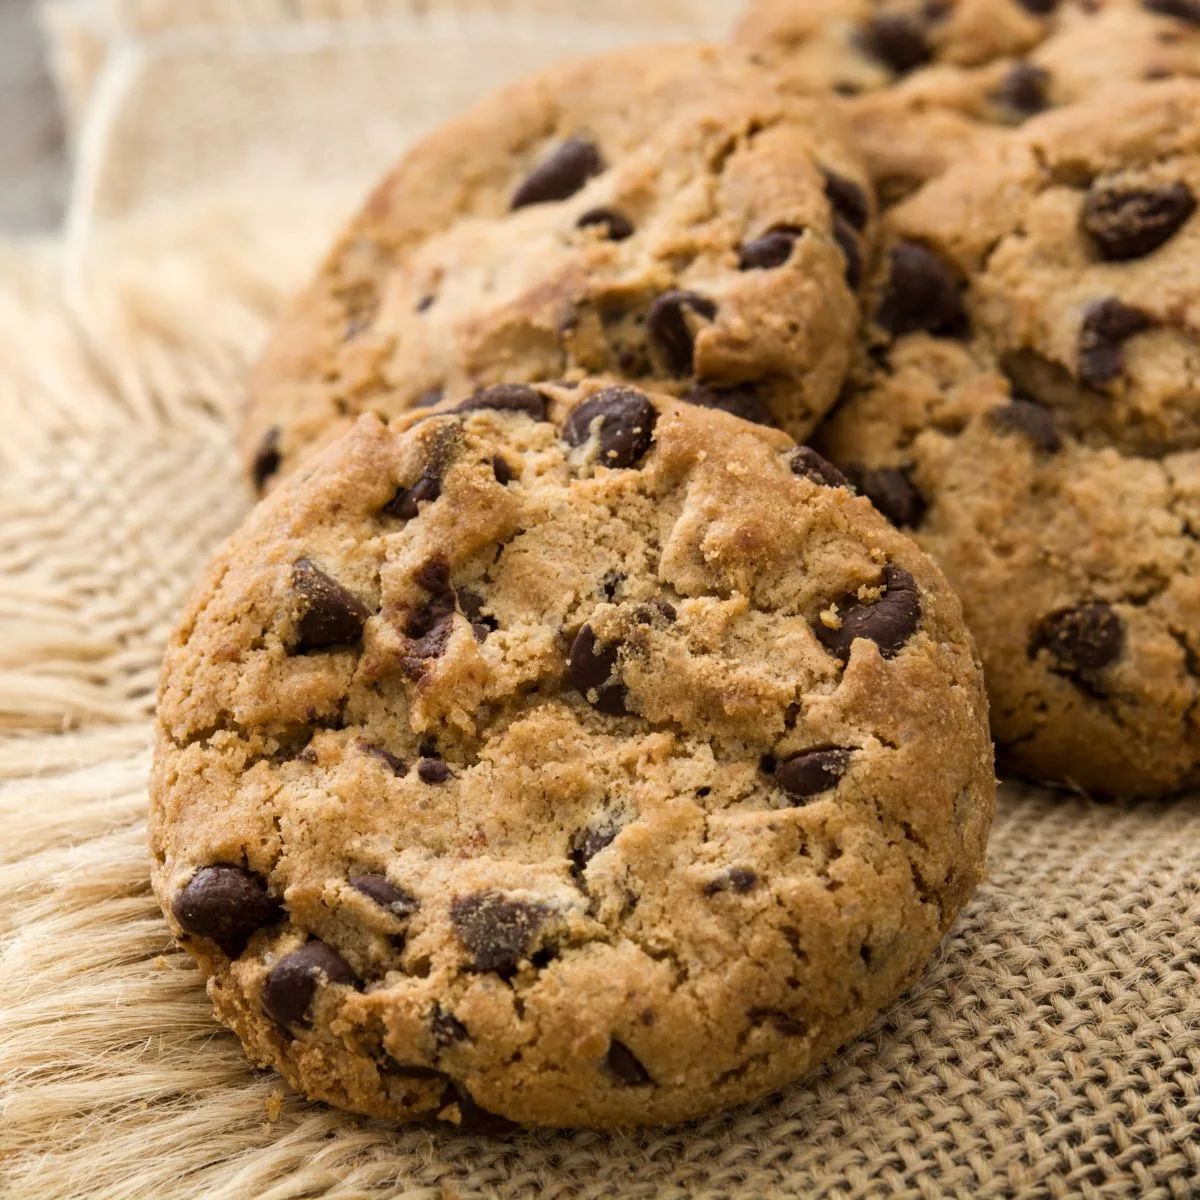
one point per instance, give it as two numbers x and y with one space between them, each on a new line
1033 417
665 214
928 84
566 756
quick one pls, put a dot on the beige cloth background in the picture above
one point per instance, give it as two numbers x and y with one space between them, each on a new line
1052 1049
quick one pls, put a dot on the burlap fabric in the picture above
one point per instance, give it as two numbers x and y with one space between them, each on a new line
1051 1050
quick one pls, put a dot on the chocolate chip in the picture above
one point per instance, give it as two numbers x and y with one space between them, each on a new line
616 227
781 1022
1106 325
808 464
623 420
624 1065
769 250
425 302
293 981
738 879
502 471
329 615
889 622
892 491
1187 11
847 198
1131 222
589 843
740 401
1040 8
591 669
433 770
667 327
812 771
430 624
922 294
847 242
267 458
398 765
1024 90
571 165
472 609
472 1118
497 932
226 904
507 397
395 900
1031 420
1086 638
896 41
446 1028
404 503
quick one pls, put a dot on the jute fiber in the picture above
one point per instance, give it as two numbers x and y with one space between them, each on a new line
1052 1049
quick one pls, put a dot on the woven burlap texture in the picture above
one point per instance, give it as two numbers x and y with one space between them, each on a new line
1052 1049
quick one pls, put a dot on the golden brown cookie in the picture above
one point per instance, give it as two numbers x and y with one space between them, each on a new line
1032 415
664 214
572 756
928 84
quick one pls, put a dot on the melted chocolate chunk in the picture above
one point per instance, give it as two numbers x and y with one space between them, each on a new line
668 328
889 622
591 668
895 40
812 771
561 175
848 199
384 893
1029 419
446 1028
293 981
741 400
589 843
1130 222
769 250
616 227
1107 325
808 464
227 905
922 294
892 491
433 770
404 504
625 1067
737 879
1089 637
847 242
1187 11
507 397
398 765
329 615
623 421
502 471
1024 91
472 1118
497 932
267 458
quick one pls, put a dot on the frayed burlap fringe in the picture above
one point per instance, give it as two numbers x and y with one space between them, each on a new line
1051 1050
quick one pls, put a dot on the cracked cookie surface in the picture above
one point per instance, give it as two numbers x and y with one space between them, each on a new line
570 756
926 85
1032 416
662 214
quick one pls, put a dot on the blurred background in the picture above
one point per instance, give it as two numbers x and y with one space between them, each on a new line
33 173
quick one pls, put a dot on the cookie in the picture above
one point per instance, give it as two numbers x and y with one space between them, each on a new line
987 65
564 758
663 214
1033 418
